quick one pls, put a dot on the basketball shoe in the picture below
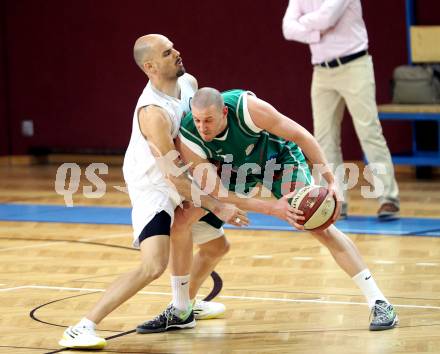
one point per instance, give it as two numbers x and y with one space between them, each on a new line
170 319
384 316
388 211
205 310
81 338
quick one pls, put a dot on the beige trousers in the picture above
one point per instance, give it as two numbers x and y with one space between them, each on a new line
352 85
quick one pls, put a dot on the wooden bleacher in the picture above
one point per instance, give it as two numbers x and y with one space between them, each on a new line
414 113
423 43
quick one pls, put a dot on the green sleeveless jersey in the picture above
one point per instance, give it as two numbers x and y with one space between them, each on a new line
242 142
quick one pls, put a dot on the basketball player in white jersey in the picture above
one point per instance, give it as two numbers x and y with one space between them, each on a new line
151 172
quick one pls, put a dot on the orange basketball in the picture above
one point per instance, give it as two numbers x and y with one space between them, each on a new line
318 207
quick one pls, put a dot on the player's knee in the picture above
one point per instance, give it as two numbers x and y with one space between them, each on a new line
154 272
185 218
225 248
318 235
326 238
150 271
216 248
157 271
181 226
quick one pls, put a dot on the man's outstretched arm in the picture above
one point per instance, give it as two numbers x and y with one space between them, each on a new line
266 117
205 173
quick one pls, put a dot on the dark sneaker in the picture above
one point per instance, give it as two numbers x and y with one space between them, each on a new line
388 211
170 319
384 316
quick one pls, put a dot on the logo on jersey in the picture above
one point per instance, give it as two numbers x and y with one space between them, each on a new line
249 149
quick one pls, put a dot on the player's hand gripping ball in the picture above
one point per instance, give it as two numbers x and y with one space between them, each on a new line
316 204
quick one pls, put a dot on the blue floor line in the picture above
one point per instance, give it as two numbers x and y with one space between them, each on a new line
429 232
428 227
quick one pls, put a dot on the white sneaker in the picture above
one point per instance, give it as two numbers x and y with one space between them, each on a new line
205 310
84 338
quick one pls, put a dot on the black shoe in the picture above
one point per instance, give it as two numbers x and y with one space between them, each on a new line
170 319
384 316
388 212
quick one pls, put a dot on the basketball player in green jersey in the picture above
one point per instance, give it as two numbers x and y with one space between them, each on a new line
238 131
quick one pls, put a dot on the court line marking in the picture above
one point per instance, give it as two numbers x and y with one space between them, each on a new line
87 238
427 264
106 236
382 261
45 287
30 246
262 256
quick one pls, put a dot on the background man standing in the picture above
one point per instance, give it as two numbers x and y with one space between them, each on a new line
343 75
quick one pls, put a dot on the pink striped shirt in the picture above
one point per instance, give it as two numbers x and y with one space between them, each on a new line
332 28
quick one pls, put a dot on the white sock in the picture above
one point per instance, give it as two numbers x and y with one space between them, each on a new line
86 323
180 286
364 280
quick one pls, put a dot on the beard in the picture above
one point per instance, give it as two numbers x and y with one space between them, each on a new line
180 72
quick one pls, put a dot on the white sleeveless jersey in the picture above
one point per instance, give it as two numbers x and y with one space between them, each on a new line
148 190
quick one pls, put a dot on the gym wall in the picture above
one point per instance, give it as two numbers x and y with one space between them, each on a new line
68 67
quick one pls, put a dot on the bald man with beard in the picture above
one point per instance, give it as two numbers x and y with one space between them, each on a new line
157 187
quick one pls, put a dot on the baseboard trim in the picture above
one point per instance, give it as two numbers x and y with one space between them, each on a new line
58 159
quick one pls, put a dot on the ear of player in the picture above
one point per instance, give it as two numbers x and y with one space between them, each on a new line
317 205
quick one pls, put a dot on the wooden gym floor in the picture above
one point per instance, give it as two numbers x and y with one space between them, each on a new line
283 291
